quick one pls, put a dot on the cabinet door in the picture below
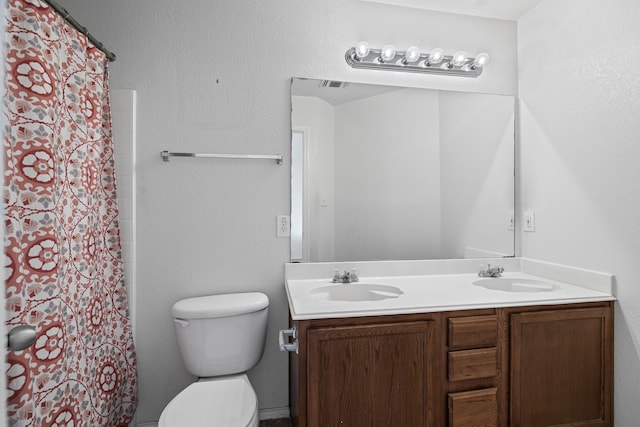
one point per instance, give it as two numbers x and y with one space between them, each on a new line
561 368
371 375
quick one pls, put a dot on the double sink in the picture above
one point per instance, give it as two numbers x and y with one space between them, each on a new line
359 291
398 287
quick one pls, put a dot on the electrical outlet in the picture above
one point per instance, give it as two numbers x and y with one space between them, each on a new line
283 225
529 221
512 221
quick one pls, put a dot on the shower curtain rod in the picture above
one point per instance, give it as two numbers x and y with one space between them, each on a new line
67 17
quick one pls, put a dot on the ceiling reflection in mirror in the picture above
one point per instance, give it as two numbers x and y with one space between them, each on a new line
393 173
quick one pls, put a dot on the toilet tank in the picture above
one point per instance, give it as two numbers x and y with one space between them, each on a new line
221 334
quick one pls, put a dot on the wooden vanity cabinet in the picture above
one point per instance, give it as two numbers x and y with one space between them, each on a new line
379 371
370 375
519 367
562 366
473 369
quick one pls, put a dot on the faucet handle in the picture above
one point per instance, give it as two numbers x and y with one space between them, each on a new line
482 272
337 277
354 275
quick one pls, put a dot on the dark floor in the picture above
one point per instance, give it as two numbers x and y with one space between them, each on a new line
281 422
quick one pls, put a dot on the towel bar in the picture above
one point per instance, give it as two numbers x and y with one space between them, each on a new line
277 157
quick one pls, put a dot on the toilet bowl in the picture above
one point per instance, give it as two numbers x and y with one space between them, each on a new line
220 337
224 401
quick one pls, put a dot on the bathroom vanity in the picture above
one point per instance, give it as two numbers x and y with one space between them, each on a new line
444 349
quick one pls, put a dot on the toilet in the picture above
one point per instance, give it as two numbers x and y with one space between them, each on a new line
220 337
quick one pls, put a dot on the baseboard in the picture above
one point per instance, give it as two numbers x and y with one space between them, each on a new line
274 413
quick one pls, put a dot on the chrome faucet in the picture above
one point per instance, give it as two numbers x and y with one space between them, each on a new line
345 276
488 271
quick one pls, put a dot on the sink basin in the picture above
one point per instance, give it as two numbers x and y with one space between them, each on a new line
509 284
356 292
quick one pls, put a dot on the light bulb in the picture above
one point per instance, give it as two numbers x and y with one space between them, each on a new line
411 55
435 56
459 58
361 50
387 53
481 60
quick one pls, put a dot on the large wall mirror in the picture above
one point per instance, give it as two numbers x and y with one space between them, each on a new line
391 173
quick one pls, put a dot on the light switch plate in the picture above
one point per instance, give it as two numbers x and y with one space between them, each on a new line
529 221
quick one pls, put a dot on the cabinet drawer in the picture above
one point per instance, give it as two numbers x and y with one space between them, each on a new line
478 408
474 331
472 364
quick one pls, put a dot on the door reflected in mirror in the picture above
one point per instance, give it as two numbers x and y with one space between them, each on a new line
392 173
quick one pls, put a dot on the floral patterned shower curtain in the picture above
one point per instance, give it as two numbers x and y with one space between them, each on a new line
63 270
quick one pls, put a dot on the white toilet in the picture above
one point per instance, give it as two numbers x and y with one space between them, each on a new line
220 338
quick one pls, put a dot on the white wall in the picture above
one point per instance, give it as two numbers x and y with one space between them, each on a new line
383 154
580 97
213 76
317 118
477 155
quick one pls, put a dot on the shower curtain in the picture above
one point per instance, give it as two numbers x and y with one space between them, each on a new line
64 272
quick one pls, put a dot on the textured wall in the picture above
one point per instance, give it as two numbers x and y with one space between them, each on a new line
213 76
580 96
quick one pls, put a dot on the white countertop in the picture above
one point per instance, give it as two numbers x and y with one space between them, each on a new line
423 293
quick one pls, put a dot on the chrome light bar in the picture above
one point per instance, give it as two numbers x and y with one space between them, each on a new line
414 61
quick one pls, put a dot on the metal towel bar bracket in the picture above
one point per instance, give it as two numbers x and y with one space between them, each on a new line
277 157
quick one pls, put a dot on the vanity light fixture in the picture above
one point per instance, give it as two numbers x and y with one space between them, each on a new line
480 60
387 53
412 60
457 60
411 55
361 50
434 57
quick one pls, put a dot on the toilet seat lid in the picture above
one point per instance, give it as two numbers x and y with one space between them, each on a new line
227 401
